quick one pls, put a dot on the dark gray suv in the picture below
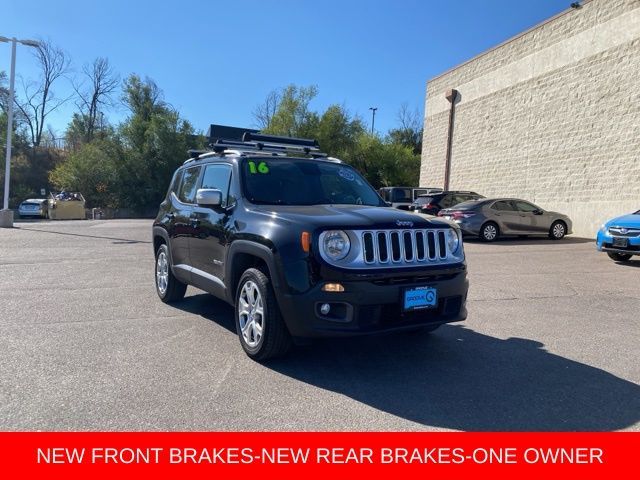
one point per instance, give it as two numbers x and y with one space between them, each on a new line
491 218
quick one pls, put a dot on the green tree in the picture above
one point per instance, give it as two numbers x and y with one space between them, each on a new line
93 170
384 164
337 132
155 142
293 117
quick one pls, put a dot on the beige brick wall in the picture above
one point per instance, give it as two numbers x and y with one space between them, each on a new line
552 116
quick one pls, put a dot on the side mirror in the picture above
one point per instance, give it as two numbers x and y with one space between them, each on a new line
538 212
209 197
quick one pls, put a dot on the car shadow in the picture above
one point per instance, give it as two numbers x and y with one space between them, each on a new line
630 263
510 241
456 378
116 240
209 307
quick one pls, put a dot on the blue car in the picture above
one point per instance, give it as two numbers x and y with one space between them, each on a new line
620 237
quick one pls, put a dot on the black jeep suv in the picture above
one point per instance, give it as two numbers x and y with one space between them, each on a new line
302 246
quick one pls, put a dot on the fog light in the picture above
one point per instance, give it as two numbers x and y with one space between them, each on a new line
332 287
325 308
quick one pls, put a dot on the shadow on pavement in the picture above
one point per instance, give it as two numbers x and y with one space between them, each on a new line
456 378
115 242
209 307
511 241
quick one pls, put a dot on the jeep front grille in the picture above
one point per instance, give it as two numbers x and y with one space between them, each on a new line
397 248
403 246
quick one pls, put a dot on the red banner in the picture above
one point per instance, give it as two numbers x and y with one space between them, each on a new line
340 455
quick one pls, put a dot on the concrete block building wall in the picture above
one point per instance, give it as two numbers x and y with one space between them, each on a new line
551 116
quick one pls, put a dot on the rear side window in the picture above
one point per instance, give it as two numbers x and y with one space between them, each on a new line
503 206
189 184
175 183
218 177
401 195
526 207
447 201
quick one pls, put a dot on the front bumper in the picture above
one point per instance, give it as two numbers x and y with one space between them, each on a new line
374 305
604 243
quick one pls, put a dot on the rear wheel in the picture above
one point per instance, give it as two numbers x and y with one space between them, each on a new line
558 230
168 287
489 232
619 257
261 329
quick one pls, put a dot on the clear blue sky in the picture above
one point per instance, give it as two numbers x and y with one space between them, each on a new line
216 60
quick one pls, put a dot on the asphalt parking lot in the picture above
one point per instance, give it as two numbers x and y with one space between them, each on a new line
551 343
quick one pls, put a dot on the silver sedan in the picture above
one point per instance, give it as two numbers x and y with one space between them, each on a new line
491 218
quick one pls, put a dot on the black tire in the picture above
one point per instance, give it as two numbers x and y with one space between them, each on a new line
174 289
489 232
619 257
558 230
275 339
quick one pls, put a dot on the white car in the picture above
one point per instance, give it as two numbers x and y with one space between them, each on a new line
33 207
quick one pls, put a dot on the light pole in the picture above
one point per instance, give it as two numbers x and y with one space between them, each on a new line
6 215
373 117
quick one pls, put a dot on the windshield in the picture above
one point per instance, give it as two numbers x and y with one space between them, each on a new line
277 181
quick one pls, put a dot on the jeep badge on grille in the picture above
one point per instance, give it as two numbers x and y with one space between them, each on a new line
401 223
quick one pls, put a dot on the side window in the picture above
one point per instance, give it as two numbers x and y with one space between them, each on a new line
187 191
173 188
417 192
503 206
218 177
446 201
526 207
402 195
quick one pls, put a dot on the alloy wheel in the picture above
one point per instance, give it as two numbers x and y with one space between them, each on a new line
489 232
162 273
558 230
251 314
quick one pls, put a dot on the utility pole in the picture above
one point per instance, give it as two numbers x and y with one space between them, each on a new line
373 117
6 215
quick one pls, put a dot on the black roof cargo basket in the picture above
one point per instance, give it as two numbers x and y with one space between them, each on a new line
220 132
259 137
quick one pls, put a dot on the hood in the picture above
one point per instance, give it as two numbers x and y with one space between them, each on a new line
630 220
349 216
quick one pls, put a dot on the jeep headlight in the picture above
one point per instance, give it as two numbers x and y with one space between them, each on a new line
336 244
453 241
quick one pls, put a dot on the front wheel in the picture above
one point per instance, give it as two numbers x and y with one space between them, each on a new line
619 257
261 329
557 231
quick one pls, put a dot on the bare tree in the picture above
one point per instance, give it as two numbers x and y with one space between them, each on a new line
264 112
409 119
38 98
102 83
409 131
